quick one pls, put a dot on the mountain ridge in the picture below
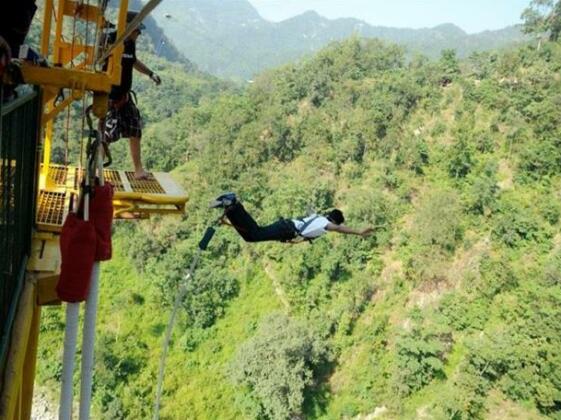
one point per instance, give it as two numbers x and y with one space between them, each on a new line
233 40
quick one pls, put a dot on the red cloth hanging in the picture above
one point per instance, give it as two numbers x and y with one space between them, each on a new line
101 214
78 249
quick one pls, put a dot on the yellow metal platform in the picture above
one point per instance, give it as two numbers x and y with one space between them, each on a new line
133 199
52 208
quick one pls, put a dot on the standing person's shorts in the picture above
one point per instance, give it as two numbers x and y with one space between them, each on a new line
122 120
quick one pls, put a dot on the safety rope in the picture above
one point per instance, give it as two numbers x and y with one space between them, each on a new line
66 136
203 244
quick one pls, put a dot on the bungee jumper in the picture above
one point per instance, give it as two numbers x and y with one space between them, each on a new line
284 230
123 118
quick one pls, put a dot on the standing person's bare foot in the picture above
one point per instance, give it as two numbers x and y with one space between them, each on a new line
141 174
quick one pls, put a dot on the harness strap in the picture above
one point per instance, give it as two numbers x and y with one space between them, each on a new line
305 226
132 96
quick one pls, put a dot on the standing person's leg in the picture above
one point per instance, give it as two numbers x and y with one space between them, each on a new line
248 228
136 155
132 128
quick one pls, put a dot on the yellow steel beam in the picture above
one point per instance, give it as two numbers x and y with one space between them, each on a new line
47 145
49 93
52 113
46 290
12 398
30 365
81 11
69 51
147 198
66 78
45 254
47 20
59 27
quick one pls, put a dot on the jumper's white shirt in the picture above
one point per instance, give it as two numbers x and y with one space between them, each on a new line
315 229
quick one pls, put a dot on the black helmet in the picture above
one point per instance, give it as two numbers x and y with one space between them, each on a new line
130 17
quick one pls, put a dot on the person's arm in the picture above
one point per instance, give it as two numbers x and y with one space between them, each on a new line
332 227
142 68
225 222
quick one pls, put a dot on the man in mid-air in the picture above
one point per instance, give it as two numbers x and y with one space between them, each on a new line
284 230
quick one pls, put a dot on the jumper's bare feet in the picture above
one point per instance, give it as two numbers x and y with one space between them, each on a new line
141 174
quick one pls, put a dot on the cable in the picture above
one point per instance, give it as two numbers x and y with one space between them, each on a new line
209 233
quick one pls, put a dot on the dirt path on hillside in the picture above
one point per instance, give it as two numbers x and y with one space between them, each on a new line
277 286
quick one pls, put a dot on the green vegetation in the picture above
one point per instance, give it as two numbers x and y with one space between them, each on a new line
294 353
543 16
451 310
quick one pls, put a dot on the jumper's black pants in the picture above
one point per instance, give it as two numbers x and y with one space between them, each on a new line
247 227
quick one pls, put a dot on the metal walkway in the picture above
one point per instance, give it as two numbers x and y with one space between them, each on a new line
134 199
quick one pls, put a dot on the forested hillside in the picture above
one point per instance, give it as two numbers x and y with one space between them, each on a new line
451 310
230 39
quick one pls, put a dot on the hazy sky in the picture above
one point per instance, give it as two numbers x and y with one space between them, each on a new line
470 15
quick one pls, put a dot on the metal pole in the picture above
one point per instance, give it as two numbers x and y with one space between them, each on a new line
88 337
70 338
88 340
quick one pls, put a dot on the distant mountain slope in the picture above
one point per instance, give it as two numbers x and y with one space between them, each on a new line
231 39
162 45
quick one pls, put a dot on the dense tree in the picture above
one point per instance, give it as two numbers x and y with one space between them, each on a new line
543 16
293 354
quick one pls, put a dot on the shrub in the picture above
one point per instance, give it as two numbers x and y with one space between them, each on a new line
279 364
464 312
515 224
438 220
420 359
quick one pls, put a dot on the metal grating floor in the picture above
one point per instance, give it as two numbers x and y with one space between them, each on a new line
114 178
110 175
133 198
58 174
150 186
50 208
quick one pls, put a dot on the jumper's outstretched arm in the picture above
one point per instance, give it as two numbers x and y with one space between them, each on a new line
332 227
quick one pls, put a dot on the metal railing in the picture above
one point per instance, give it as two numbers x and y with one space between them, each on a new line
19 138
